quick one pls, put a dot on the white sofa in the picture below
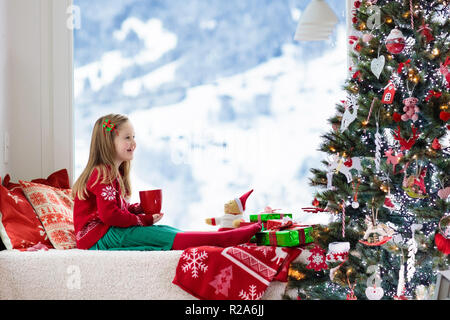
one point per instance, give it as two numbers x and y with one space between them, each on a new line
83 274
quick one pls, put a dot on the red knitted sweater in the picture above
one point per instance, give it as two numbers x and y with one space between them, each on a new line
104 207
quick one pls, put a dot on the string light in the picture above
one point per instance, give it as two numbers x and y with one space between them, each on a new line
297 275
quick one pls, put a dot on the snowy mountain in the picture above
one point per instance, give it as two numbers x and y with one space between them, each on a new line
221 97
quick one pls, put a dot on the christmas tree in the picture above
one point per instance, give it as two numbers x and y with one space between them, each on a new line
387 178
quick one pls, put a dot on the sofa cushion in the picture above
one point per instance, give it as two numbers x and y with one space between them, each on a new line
54 207
20 227
58 179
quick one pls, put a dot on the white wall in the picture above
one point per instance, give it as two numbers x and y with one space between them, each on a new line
4 84
35 88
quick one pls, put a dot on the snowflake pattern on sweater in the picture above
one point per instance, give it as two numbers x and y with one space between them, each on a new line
108 193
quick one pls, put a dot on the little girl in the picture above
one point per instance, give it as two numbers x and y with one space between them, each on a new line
103 218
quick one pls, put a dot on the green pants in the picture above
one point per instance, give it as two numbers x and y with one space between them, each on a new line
138 238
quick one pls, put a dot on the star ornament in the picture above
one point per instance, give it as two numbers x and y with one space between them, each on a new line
317 259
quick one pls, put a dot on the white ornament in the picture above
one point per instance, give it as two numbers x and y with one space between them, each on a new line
348 117
337 163
401 281
374 290
355 204
379 228
412 250
374 293
377 149
377 65
374 21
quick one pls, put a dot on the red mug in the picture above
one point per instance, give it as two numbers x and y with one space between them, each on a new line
151 200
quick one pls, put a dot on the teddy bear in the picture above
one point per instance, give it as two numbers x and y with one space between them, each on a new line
233 214
411 109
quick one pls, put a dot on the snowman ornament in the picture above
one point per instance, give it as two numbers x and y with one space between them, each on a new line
395 42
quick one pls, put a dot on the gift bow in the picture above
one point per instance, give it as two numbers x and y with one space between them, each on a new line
269 210
287 223
432 94
424 27
402 64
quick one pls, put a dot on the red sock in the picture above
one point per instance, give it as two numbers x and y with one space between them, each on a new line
184 240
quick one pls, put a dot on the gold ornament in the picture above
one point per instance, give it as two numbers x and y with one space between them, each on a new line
435 52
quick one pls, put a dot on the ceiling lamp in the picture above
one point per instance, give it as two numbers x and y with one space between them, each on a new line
316 23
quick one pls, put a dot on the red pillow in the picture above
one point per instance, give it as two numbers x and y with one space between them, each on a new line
58 179
20 227
54 207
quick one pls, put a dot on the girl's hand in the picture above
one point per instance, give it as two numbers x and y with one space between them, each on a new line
157 217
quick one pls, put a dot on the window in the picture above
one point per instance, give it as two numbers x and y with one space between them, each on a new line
222 99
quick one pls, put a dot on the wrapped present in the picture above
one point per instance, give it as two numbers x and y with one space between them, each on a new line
291 237
268 214
263 217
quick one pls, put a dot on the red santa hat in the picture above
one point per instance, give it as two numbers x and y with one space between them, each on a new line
241 201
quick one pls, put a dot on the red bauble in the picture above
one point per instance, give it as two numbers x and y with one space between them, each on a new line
395 42
315 202
444 116
436 145
442 243
397 117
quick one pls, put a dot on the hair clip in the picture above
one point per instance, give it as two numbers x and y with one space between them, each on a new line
109 126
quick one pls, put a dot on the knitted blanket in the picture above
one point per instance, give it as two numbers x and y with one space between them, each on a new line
242 272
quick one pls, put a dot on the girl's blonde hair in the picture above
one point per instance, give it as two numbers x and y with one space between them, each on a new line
101 156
